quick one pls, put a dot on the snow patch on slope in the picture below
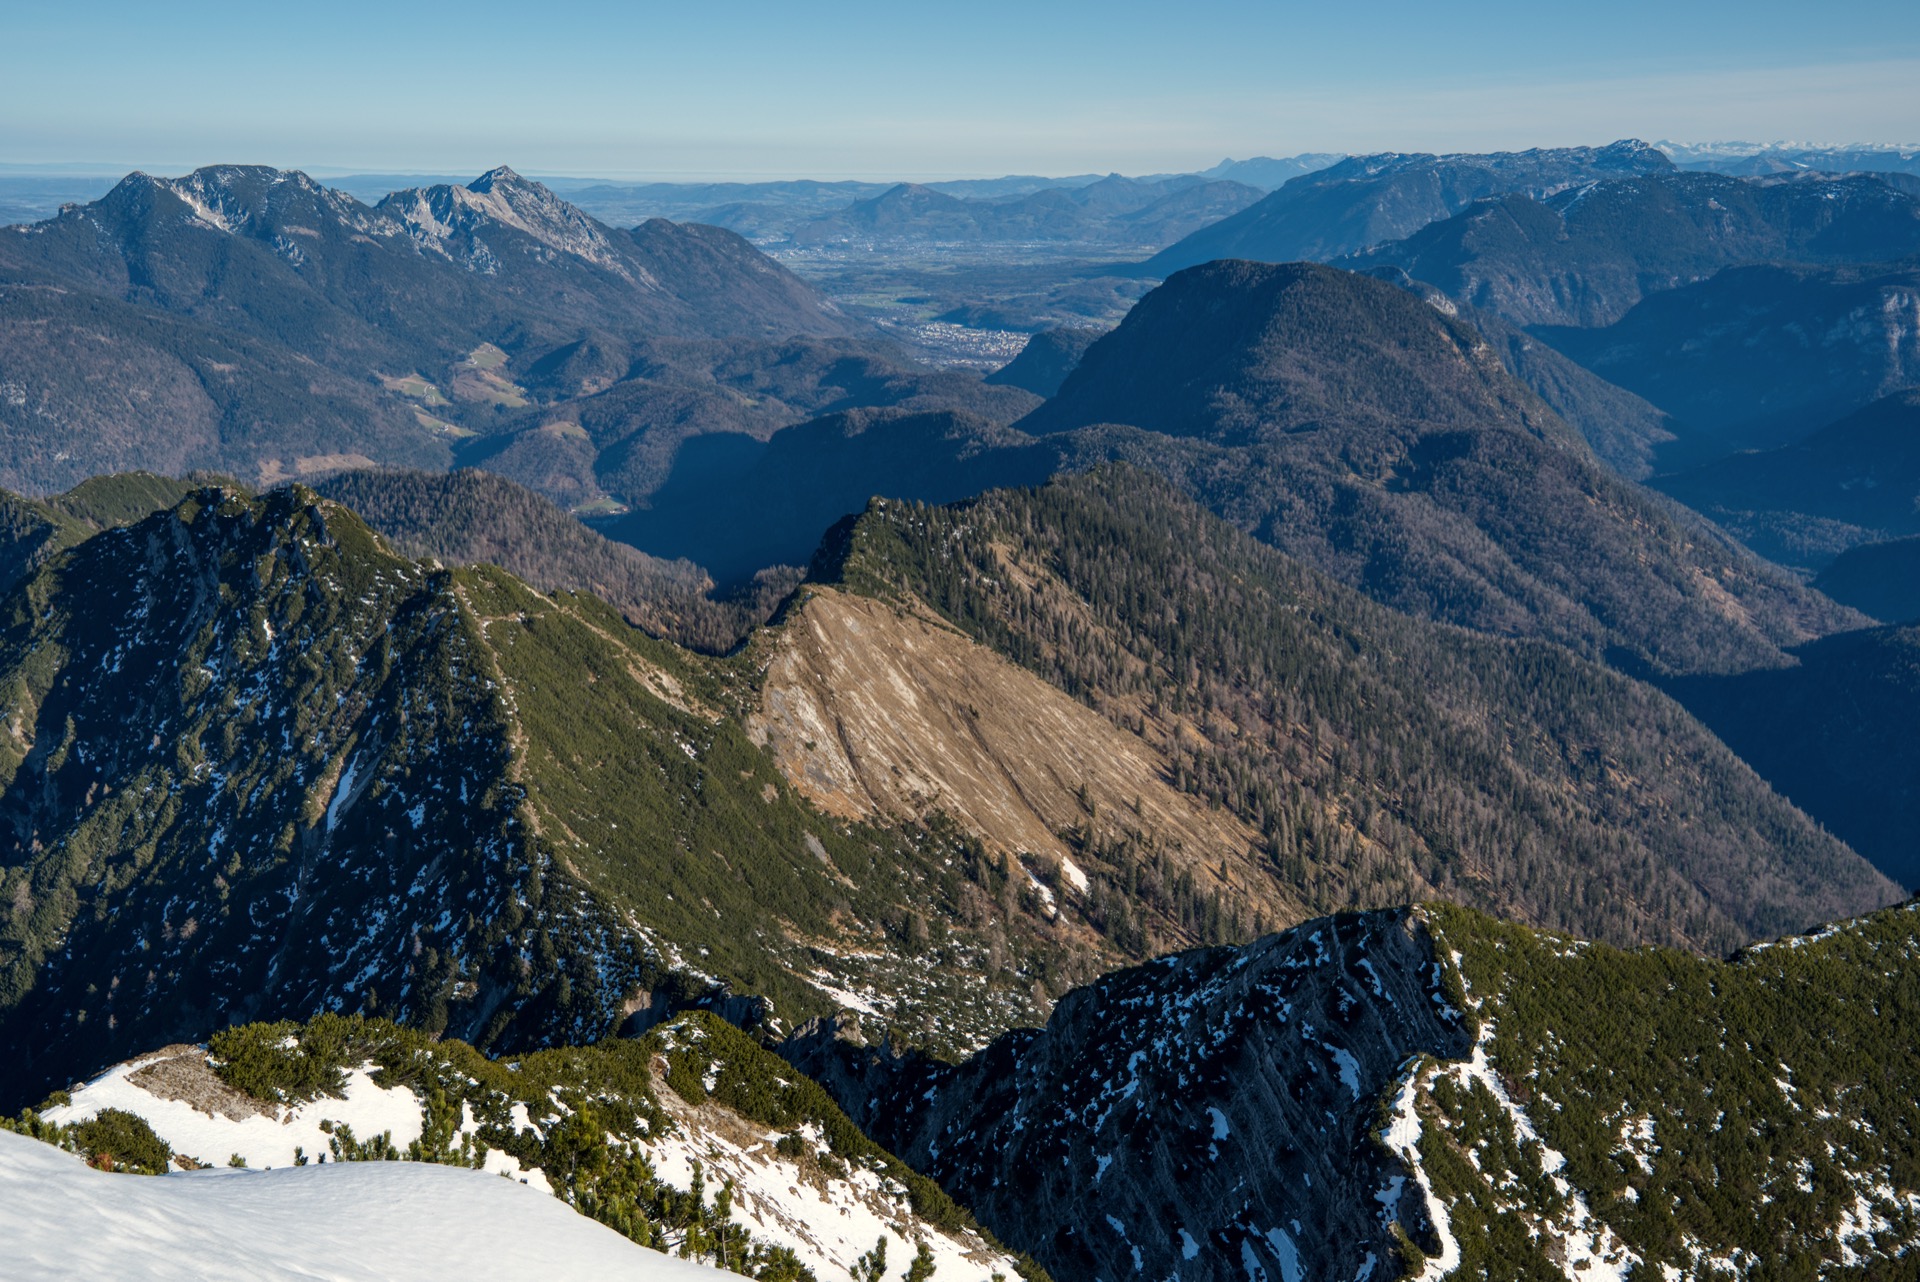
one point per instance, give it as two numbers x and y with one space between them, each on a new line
264 1140
828 1223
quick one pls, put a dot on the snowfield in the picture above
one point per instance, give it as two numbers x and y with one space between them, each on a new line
377 1221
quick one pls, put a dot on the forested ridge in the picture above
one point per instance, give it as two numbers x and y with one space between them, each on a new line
1378 755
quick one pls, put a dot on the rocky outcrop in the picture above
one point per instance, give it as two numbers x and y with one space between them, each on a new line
875 711
1209 1115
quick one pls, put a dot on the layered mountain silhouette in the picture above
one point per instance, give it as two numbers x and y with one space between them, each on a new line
1745 160
1586 255
1367 200
1122 212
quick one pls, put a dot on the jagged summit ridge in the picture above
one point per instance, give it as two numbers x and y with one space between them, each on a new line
452 221
254 200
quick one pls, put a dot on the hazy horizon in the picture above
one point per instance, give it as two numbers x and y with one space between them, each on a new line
861 90
110 169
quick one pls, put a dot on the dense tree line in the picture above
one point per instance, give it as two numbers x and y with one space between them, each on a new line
1380 757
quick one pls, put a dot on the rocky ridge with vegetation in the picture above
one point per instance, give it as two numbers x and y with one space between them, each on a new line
691 1140
1428 1092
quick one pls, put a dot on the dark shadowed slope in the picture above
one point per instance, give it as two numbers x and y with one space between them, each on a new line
1758 357
1836 735
1044 363
1851 483
735 506
1880 579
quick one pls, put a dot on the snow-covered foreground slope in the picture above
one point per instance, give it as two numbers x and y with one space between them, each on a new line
381 1221
706 1109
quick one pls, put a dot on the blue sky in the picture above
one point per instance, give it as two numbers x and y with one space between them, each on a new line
750 89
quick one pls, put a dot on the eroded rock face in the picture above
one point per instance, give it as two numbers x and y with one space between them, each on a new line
873 712
1202 1115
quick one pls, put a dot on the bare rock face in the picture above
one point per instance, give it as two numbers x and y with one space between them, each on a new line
1211 1115
872 711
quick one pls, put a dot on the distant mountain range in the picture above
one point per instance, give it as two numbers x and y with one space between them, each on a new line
1267 173
784 203
1364 201
1111 215
1587 255
254 322
809 211
1758 160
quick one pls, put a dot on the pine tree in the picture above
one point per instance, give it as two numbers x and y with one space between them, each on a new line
872 1267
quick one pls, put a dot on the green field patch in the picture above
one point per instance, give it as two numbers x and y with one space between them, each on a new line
414 387
487 356
483 387
440 426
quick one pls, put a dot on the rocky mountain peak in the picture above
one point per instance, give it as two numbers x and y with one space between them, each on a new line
255 200
499 176
456 222
1178 1117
